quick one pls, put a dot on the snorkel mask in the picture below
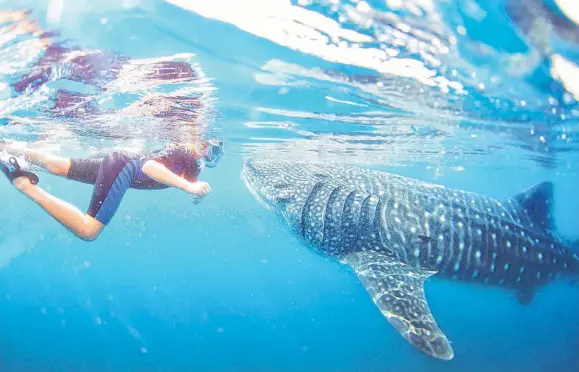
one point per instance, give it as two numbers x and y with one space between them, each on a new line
211 152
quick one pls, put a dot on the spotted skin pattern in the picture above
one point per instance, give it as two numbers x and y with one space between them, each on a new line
395 232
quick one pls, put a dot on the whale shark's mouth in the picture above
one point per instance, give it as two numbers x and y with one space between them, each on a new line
246 178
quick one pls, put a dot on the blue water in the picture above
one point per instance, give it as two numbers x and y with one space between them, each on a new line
223 286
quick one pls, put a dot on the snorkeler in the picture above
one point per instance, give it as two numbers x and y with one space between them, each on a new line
175 166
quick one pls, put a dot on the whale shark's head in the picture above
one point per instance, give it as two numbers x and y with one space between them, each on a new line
279 186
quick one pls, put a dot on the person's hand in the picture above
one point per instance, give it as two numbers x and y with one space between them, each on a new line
199 188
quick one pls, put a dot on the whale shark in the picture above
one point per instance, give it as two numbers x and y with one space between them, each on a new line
395 232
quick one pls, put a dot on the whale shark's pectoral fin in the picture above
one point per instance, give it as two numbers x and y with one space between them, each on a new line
398 291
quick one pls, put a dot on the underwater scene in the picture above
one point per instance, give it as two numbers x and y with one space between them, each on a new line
289 185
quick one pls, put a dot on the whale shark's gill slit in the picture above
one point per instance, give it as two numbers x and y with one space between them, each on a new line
363 232
306 209
377 225
349 219
332 221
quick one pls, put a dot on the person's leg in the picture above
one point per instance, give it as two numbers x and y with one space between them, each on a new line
56 165
115 176
81 225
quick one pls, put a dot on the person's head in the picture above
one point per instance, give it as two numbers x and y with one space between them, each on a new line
209 152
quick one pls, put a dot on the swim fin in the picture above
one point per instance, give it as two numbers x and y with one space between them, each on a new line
12 170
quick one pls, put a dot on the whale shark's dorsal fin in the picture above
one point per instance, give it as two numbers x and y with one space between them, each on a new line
398 291
536 204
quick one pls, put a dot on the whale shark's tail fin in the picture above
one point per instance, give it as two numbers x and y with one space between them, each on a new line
398 291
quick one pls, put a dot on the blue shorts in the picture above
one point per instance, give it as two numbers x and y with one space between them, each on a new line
112 176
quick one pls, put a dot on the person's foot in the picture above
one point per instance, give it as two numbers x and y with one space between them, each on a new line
20 178
22 183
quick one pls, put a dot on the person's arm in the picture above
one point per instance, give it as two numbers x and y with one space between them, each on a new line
161 174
